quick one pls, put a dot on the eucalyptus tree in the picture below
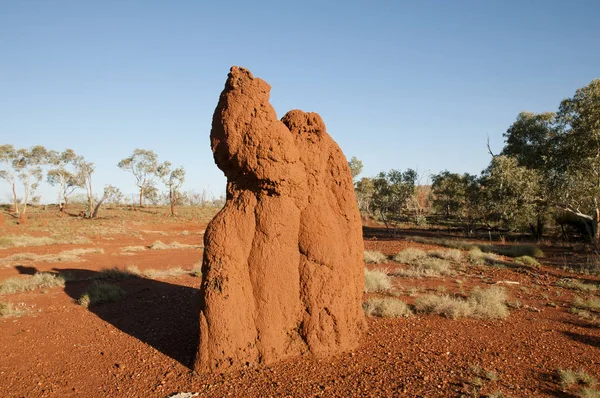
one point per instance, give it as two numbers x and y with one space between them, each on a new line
391 192
8 155
28 163
111 194
173 180
356 167
575 164
83 173
62 173
143 164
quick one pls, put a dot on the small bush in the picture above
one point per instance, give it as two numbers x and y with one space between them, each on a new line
98 293
37 281
410 256
450 307
377 281
374 257
528 261
386 308
587 392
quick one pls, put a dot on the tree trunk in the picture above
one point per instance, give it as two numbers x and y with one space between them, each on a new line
90 199
14 191
141 196
172 201
95 213
26 198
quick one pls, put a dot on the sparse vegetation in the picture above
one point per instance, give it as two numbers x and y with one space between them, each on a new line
410 256
99 293
487 303
9 241
117 273
158 245
425 267
576 284
38 281
504 250
65 256
377 281
591 303
387 307
453 255
528 261
8 309
374 257
578 378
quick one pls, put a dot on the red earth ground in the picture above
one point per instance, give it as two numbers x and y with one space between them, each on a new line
144 345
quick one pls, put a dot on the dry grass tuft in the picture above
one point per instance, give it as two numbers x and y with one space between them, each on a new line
578 285
99 292
591 303
131 249
386 308
65 256
158 245
117 273
37 281
425 267
410 256
164 273
10 310
374 257
482 304
453 255
528 261
377 281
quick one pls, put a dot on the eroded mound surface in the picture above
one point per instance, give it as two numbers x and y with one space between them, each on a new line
282 268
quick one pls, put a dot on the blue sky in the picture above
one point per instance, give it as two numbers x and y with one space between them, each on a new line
398 84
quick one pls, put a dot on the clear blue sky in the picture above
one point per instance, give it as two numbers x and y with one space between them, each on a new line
417 84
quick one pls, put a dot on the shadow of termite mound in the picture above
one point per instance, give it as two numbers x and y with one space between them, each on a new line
160 314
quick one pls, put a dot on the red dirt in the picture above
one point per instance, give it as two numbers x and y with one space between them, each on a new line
143 346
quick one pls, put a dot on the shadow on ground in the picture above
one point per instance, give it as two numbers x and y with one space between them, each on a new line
160 314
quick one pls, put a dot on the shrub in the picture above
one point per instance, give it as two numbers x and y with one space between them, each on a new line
386 308
377 281
98 293
37 281
577 285
374 257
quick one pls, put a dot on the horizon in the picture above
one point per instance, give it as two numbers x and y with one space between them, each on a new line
398 85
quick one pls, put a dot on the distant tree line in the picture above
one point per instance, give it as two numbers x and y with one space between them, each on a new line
547 172
24 169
